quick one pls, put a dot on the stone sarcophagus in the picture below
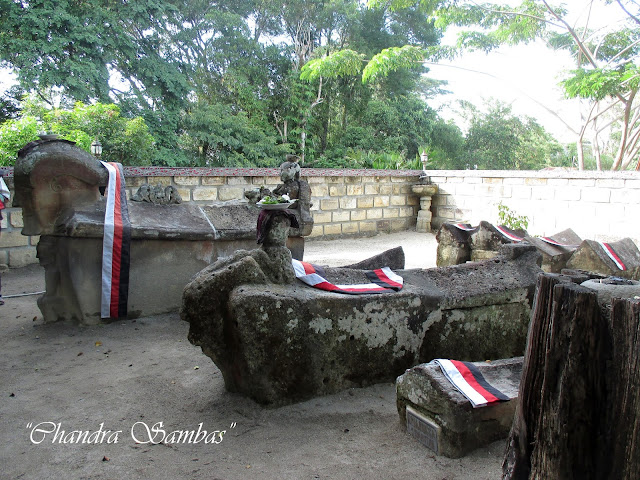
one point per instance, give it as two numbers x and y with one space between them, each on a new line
279 341
59 188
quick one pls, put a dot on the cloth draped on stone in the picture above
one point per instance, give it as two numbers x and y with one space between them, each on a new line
468 380
467 227
116 246
265 218
508 233
383 280
4 194
554 242
608 249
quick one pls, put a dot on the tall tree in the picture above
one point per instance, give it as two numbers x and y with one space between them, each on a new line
606 74
499 140
77 46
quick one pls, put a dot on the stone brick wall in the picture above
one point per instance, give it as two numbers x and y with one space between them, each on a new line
345 202
596 205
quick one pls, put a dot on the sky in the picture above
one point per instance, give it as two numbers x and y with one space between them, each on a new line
525 76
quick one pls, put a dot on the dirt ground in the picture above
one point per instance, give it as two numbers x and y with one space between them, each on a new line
131 383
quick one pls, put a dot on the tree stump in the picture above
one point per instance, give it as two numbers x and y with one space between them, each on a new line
578 415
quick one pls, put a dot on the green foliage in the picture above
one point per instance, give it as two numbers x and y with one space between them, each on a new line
499 140
510 219
368 159
600 83
339 64
15 134
215 136
446 147
10 104
127 141
212 84
390 60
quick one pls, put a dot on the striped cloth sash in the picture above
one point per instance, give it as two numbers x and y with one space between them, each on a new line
510 234
468 380
382 280
116 246
467 227
608 249
551 241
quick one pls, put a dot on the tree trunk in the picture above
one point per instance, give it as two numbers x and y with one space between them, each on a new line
578 414
624 441
580 151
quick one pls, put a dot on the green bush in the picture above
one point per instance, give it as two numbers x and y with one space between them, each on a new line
124 140
510 219
15 134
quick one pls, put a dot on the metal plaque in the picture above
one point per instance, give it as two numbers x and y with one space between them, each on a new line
423 429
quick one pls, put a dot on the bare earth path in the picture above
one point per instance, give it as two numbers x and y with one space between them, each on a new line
126 376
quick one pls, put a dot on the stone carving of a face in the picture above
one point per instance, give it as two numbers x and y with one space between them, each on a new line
289 171
50 177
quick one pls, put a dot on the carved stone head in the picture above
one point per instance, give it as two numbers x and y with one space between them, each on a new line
50 177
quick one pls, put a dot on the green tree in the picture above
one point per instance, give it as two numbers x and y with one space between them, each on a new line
15 134
78 45
499 140
367 98
219 137
126 141
10 103
176 63
606 74
446 147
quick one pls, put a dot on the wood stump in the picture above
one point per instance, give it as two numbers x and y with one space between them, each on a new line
578 415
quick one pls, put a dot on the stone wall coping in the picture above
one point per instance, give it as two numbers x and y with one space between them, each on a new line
550 173
251 172
347 172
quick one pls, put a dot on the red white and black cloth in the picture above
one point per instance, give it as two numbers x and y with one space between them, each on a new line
468 380
505 231
116 246
611 253
382 280
465 227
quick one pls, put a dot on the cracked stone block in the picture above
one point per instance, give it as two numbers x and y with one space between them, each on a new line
556 249
617 259
443 420
453 245
486 240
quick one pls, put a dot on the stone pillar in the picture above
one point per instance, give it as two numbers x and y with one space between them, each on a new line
424 216
425 192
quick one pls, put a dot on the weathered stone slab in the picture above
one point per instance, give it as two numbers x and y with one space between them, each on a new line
486 240
392 258
279 343
555 257
591 256
58 187
444 418
453 245
612 287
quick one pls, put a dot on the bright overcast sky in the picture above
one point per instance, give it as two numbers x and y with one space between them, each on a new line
525 77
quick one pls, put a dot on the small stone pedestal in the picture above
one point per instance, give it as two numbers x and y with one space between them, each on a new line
425 192
443 420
